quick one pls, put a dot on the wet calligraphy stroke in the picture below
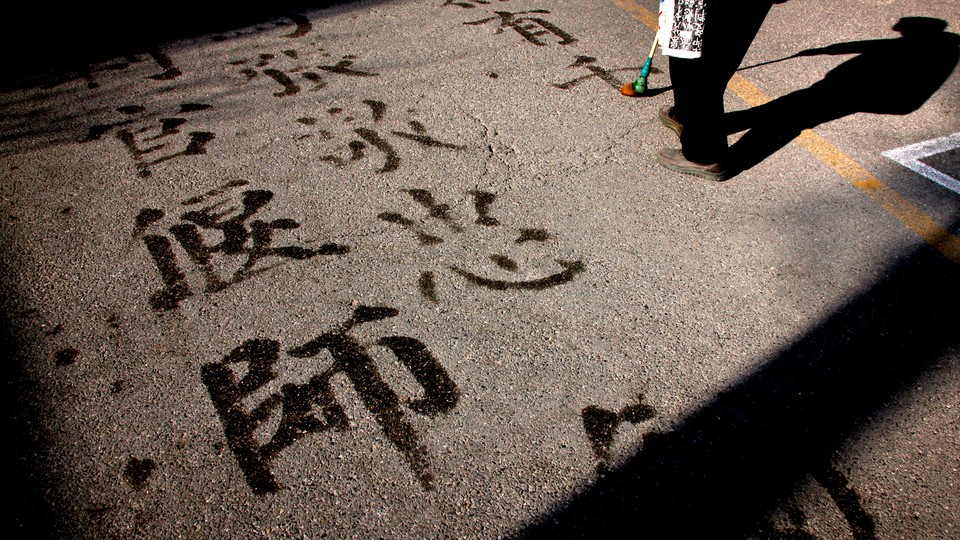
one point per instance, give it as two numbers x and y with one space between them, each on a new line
469 4
90 73
601 427
312 407
245 243
441 214
606 75
296 67
368 128
302 26
532 28
149 141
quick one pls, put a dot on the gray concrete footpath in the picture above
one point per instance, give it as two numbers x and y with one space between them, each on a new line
409 269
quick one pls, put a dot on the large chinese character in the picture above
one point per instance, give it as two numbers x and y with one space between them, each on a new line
601 426
245 240
372 134
150 145
606 75
531 28
89 72
312 407
287 77
502 262
302 27
468 4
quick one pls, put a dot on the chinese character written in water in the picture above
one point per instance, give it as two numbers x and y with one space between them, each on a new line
88 72
531 28
373 135
302 27
606 75
287 77
469 4
150 145
245 242
535 280
601 426
312 407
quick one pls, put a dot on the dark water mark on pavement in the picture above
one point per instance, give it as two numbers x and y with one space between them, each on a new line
374 133
137 472
149 140
470 4
601 427
533 28
312 407
66 357
589 63
482 203
244 241
293 65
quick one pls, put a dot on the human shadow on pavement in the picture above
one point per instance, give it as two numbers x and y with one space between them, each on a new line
888 76
726 468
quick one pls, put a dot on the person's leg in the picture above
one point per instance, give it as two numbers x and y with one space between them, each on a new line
699 84
697 111
698 107
733 27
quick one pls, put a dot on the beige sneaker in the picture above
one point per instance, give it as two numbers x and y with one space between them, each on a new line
672 158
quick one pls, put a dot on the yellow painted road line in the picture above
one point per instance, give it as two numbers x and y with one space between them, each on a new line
740 86
906 212
915 219
642 14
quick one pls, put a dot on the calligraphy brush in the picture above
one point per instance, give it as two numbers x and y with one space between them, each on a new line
639 86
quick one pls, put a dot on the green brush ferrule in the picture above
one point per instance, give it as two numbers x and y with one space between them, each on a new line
646 69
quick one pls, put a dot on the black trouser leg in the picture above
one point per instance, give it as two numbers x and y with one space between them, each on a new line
699 84
698 105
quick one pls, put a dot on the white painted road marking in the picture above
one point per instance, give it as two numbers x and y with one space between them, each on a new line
910 156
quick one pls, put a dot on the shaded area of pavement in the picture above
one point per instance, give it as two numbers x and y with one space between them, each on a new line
720 473
50 38
28 512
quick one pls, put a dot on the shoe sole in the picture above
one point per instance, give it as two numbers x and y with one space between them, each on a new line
716 177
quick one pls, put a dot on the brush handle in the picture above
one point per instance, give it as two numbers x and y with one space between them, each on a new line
653 47
640 85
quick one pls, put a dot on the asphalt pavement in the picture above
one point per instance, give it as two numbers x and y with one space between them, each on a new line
410 269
